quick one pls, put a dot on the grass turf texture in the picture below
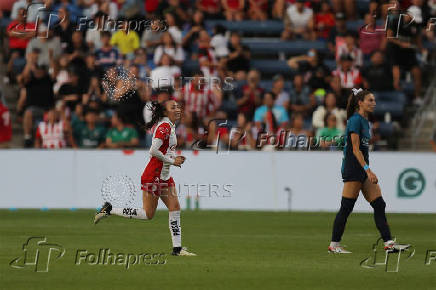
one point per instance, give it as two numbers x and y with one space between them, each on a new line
236 250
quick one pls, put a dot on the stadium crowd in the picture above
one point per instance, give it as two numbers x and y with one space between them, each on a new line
86 71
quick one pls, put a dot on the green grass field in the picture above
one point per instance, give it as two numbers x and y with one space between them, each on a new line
236 250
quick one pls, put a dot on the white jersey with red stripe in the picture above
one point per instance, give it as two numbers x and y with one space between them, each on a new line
166 131
51 135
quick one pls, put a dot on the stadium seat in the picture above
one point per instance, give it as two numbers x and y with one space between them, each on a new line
267 84
268 27
392 102
272 67
289 47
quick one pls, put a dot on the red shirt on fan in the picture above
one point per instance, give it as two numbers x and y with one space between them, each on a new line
199 100
51 135
16 42
5 124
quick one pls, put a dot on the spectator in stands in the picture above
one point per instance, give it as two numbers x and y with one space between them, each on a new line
251 95
200 100
36 97
173 29
233 9
238 61
348 77
53 132
220 42
191 32
278 9
49 47
206 56
31 8
350 47
347 6
140 62
270 118
5 124
378 75
70 92
107 56
371 37
278 89
125 40
77 49
151 37
329 136
178 9
210 8
93 33
64 28
310 65
73 10
324 21
19 33
329 107
165 73
298 21
299 138
337 34
403 40
121 136
169 47
301 100
107 7
242 138
90 134
258 10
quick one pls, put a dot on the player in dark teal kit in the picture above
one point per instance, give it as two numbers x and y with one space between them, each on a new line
357 175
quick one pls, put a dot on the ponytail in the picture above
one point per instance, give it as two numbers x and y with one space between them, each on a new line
158 112
353 100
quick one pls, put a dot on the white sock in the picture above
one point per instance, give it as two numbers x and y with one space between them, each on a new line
128 212
175 228
335 244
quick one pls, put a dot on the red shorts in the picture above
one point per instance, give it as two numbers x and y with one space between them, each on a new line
156 185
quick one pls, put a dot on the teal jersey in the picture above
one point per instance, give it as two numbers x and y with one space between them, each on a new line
359 125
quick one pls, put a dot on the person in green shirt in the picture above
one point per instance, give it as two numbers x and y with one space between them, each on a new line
330 136
88 134
121 136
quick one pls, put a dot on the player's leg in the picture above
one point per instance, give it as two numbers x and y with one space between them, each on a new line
171 201
149 205
350 193
372 194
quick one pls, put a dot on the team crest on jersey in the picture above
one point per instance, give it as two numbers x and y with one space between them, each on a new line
164 131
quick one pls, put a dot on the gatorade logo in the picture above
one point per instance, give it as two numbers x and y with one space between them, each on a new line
411 183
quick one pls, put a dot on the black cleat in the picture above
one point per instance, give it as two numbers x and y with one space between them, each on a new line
105 211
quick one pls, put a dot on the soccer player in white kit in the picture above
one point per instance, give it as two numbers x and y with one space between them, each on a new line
156 181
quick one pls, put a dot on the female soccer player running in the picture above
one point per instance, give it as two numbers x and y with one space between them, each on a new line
156 181
357 175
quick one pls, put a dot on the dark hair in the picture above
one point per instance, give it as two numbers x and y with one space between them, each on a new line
353 101
326 117
158 112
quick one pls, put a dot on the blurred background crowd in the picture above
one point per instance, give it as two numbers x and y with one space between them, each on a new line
81 73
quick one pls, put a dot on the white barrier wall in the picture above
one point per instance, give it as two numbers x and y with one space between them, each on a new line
308 181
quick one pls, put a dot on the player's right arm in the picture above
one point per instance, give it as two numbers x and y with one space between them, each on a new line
355 141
